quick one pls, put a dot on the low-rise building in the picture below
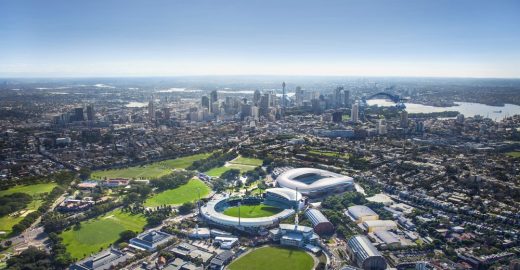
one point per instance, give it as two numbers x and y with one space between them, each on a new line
107 259
150 240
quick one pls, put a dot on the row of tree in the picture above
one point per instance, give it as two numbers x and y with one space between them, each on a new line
217 159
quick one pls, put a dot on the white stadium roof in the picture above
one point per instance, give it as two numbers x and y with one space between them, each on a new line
209 212
324 181
288 194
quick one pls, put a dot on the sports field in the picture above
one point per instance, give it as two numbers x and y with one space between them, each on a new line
180 195
329 154
247 161
152 170
252 211
7 222
30 189
515 154
274 258
240 163
100 232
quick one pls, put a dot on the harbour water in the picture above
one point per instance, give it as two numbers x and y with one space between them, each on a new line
469 109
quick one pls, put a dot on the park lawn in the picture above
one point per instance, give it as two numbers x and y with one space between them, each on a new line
274 258
247 161
252 211
152 170
100 233
329 154
7 222
515 154
180 195
30 189
217 172
242 168
345 117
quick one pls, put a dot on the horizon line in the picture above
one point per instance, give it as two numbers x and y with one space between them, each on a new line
2 76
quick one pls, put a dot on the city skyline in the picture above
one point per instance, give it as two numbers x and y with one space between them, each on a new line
332 38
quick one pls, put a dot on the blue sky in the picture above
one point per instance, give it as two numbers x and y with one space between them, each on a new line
448 38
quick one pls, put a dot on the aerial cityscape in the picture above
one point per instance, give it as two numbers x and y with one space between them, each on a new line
179 135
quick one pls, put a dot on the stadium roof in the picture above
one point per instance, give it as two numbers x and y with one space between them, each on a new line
361 245
209 212
387 237
359 211
289 194
316 217
325 180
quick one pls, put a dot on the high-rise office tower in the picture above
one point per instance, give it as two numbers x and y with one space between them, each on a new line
355 112
151 110
299 96
346 98
256 97
404 119
213 97
381 127
204 102
90 112
338 100
166 114
78 114
265 104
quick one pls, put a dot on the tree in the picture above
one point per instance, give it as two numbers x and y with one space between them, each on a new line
231 175
219 185
30 259
186 208
125 236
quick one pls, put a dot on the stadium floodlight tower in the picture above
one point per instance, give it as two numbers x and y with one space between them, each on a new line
198 201
239 204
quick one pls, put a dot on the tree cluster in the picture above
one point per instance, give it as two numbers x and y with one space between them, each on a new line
13 202
171 181
217 159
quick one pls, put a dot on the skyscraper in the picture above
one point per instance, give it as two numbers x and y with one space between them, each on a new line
265 103
213 101
204 102
151 110
404 119
355 112
90 112
338 100
256 97
78 114
346 98
299 96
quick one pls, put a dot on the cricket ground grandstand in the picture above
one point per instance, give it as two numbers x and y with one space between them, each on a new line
314 182
283 201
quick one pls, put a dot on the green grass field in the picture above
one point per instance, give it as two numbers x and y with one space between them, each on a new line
329 154
247 161
152 170
180 195
515 154
274 258
100 232
217 172
30 189
240 163
7 222
252 211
